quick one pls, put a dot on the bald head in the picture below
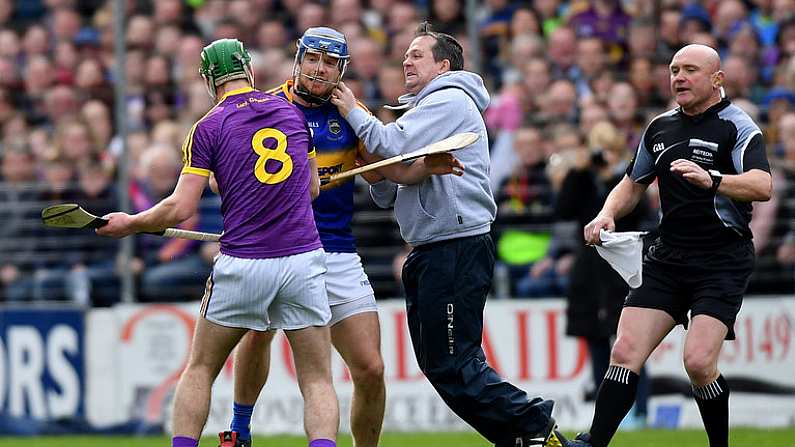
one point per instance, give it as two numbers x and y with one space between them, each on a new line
707 55
696 78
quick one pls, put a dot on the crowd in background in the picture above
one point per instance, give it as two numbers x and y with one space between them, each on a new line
573 83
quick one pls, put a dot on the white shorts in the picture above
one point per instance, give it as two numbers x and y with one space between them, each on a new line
349 289
267 294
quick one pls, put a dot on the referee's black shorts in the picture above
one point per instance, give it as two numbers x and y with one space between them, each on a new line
708 282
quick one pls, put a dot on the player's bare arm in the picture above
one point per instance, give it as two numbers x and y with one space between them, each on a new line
314 180
214 184
169 212
620 202
754 185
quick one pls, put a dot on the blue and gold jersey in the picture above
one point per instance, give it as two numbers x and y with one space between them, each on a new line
336 148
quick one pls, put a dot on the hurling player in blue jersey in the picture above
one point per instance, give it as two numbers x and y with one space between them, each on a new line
320 63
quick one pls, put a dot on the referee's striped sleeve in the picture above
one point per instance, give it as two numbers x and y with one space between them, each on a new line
749 146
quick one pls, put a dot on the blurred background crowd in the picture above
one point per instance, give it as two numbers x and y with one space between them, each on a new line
573 83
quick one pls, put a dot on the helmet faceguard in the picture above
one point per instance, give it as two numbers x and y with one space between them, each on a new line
327 43
225 60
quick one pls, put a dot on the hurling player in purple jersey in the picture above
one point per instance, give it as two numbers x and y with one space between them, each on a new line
270 272
320 62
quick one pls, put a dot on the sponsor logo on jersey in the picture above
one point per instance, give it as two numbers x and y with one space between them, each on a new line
329 170
658 147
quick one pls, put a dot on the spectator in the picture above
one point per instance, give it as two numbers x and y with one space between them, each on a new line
57 253
345 11
694 19
549 10
590 61
562 50
774 232
642 80
606 20
590 115
642 40
741 79
169 269
527 190
140 33
272 34
97 113
17 174
90 279
448 16
622 106
525 196
310 15
727 15
670 40
560 103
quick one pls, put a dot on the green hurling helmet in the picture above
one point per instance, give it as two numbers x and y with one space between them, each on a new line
225 60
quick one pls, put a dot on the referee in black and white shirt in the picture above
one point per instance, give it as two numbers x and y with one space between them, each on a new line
708 157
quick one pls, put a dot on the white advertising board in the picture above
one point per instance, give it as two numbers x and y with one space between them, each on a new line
135 353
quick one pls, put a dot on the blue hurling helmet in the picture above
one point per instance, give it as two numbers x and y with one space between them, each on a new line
327 42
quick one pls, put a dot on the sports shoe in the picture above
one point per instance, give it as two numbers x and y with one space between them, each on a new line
581 440
230 439
540 439
556 439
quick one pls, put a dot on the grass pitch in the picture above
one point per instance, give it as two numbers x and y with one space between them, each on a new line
741 437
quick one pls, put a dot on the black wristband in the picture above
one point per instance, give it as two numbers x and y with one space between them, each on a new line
716 179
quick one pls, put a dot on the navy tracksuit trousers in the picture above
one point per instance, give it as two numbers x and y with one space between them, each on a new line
446 285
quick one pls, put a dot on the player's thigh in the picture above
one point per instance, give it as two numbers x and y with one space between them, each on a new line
311 347
240 291
358 340
703 342
254 347
301 300
212 344
640 330
260 340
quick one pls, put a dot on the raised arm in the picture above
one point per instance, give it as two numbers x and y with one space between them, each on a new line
416 128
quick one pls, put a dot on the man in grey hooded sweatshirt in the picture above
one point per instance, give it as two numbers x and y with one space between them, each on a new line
447 220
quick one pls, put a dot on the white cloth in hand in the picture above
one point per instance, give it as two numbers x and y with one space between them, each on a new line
624 251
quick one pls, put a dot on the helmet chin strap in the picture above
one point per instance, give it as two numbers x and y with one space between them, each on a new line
306 95
210 86
304 92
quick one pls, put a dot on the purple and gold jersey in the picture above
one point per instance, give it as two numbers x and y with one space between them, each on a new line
337 146
259 147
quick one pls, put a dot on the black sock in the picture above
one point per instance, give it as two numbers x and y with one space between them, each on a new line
713 403
613 401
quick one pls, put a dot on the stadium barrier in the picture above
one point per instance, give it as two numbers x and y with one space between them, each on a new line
117 367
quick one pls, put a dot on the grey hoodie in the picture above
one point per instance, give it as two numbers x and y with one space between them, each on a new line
440 207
